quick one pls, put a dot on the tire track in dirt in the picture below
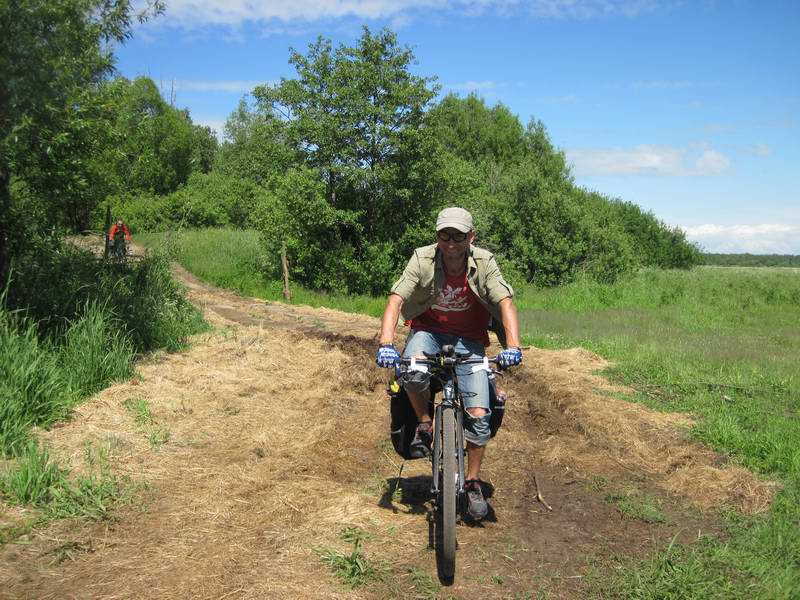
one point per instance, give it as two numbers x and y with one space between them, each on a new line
278 439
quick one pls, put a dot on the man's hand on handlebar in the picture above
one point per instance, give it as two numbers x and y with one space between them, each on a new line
387 356
509 357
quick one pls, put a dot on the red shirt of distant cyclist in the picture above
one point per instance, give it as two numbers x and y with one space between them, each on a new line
119 226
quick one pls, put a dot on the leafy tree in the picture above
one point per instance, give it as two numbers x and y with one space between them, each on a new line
298 215
529 210
73 168
473 131
49 52
654 243
157 141
255 147
204 149
356 117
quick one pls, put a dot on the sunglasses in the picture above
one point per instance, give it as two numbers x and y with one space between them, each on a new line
446 237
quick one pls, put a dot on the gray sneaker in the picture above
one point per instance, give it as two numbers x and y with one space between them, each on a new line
477 507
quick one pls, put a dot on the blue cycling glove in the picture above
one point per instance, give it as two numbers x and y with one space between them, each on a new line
387 356
509 357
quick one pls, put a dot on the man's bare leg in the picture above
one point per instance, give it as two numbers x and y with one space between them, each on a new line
420 401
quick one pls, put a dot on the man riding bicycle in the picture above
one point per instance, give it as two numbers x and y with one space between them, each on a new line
118 236
451 292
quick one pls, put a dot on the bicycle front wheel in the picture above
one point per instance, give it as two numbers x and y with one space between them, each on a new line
448 493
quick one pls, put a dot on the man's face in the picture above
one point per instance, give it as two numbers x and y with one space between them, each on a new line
454 243
119 223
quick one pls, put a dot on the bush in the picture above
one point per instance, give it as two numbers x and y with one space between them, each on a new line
144 212
70 324
207 200
298 216
57 282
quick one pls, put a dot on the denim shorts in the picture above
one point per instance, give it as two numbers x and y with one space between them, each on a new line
474 387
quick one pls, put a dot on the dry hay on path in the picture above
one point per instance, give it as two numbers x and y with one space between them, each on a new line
240 493
586 427
277 440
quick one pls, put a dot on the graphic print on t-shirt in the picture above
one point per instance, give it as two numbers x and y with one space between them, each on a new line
452 298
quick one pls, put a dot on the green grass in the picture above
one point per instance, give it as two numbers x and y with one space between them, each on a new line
425 586
354 569
632 505
230 258
157 435
34 479
76 326
42 380
140 410
720 343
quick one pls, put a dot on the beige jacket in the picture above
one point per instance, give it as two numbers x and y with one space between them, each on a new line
421 283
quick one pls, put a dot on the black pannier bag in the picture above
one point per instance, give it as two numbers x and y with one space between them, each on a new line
404 419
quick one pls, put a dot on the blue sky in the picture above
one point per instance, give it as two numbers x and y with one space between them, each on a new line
690 109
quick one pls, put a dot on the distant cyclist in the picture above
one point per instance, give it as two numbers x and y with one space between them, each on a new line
118 237
450 292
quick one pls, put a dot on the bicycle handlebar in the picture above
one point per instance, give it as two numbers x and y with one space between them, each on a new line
449 361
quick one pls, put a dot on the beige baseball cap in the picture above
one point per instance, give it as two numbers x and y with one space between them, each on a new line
454 217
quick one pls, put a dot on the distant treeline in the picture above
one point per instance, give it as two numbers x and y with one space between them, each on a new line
750 260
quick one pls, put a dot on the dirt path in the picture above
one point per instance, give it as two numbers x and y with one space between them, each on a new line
277 432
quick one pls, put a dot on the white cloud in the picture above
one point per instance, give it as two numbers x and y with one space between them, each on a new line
711 163
647 159
231 86
193 13
767 238
198 13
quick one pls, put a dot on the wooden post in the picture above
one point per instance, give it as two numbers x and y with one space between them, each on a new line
285 263
105 232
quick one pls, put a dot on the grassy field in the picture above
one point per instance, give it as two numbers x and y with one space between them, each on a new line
231 259
721 343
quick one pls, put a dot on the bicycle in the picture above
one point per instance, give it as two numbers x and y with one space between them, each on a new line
447 457
118 248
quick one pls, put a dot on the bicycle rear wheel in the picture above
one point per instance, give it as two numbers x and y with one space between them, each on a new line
448 493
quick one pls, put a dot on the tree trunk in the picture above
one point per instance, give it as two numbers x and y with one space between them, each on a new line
106 231
5 226
331 188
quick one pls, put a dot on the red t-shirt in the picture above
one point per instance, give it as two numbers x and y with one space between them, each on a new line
457 311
